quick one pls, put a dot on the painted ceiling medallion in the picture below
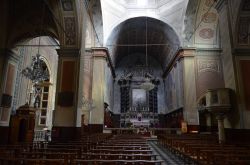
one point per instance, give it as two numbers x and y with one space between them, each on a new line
206 33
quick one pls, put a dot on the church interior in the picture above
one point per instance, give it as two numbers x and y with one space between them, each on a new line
135 82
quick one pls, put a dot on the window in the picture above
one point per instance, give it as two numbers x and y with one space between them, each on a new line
44 105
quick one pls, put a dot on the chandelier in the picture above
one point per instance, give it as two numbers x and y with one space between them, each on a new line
36 72
147 84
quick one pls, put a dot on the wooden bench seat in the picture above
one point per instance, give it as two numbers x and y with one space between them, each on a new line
110 151
117 162
119 156
125 147
18 161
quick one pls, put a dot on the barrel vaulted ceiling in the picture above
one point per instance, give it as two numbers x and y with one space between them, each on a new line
124 24
141 34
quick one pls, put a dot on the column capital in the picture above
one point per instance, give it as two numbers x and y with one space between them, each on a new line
68 52
182 52
103 52
187 52
100 52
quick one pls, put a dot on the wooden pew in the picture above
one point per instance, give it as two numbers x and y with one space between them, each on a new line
117 162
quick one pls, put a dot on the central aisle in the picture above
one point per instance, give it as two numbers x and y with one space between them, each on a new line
166 155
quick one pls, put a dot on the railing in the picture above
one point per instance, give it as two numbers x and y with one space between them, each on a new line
39 135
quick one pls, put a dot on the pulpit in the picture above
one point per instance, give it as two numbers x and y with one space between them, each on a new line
22 125
218 102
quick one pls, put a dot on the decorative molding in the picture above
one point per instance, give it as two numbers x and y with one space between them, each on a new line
68 52
208 51
241 51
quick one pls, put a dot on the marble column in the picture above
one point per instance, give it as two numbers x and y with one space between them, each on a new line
65 113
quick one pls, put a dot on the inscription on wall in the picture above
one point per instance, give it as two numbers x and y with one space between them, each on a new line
208 65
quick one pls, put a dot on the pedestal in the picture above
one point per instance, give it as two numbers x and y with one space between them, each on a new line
221 131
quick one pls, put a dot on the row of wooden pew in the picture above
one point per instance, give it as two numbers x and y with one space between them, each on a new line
104 149
204 149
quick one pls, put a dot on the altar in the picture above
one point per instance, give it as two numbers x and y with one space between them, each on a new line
139 123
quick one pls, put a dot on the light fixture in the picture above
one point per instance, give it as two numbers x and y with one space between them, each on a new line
147 84
37 72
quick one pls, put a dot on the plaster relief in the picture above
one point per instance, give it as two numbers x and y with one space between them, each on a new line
208 65
206 33
209 17
70 30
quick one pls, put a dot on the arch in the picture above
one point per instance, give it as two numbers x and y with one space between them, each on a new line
133 35
31 22
201 24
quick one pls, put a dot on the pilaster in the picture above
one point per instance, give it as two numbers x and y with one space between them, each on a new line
190 113
67 88
99 61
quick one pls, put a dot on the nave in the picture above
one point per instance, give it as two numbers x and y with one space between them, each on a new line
128 149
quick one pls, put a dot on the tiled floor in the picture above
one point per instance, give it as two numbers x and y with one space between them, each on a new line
164 154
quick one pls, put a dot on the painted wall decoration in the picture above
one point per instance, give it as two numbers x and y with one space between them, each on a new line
70 29
206 23
243 31
67 5
209 17
206 33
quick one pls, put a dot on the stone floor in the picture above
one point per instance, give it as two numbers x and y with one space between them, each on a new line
164 154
